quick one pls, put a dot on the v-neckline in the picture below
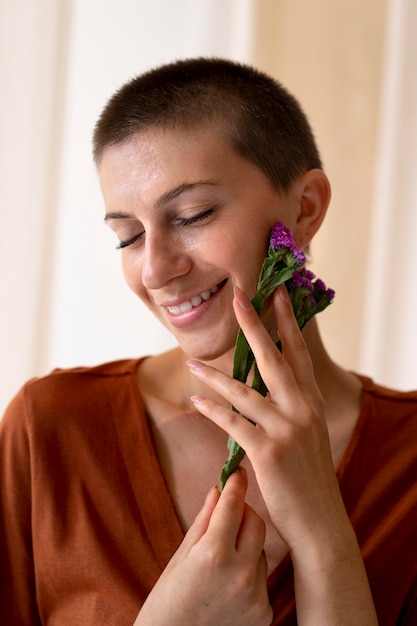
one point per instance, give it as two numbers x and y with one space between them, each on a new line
157 509
159 514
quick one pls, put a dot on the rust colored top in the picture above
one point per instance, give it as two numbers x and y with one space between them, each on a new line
88 525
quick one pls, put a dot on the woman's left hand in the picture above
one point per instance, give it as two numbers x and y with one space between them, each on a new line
289 449
289 446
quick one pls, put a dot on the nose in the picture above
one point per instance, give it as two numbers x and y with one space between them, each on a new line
165 258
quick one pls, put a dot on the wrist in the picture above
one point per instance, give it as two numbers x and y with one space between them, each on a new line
331 585
327 551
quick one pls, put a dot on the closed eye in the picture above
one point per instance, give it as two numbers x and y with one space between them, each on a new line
187 221
128 242
183 221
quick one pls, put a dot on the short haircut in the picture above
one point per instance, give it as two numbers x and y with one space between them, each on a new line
263 122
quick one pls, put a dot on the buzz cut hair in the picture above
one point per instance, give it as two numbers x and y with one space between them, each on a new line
258 116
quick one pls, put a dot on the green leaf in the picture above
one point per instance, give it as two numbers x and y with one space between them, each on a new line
236 456
278 267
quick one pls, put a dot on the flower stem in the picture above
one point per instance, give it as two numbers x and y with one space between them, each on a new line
284 263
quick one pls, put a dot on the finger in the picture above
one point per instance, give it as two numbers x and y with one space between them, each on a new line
227 516
246 400
201 522
286 373
250 547
294 348
251 538
196 530
272 365
234 424
262 575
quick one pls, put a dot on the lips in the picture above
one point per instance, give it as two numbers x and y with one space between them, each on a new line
195 301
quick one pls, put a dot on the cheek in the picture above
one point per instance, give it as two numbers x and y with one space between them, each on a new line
246 260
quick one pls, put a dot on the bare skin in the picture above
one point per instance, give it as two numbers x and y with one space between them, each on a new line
175 421
322 539
182 204
223 550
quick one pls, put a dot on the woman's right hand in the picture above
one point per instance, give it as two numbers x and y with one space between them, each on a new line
218 574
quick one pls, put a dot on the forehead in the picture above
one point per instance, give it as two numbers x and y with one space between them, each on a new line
163 157
147 142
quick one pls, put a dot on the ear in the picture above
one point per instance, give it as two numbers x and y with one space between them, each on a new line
312 191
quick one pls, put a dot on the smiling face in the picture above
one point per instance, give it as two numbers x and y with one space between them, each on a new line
193 220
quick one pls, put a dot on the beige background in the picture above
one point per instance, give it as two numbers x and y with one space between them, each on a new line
352 66
330 54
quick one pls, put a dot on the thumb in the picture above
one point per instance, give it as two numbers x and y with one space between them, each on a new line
199 527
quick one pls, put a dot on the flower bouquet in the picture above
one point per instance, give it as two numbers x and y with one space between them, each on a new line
284 263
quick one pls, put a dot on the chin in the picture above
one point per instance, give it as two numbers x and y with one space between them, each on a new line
209 344
209 353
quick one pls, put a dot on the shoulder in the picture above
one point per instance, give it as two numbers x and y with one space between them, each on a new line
68 394
385 438
112 369
65 380
387 425
372 387
386 403
379 488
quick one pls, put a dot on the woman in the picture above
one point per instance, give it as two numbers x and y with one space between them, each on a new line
110 513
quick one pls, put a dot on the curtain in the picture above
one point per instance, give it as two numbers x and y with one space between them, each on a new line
389 336
329 54
63 298
33 49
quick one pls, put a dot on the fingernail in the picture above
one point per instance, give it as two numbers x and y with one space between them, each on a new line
213 493
195 365
213 489
282 290
197 399
242 298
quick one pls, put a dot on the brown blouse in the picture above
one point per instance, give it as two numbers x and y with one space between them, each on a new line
87 523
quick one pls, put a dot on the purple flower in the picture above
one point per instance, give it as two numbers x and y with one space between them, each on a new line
322 290
309 274
283 264
312 299
282 237
301 278
308 294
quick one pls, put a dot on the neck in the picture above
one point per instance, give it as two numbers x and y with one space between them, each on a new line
326 371
341 389
167 378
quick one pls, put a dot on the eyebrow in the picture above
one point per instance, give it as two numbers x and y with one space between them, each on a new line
163 199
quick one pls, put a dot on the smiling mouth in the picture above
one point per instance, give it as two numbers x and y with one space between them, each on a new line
195 301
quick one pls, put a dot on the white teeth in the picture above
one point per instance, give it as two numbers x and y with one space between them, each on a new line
180 308
195 301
